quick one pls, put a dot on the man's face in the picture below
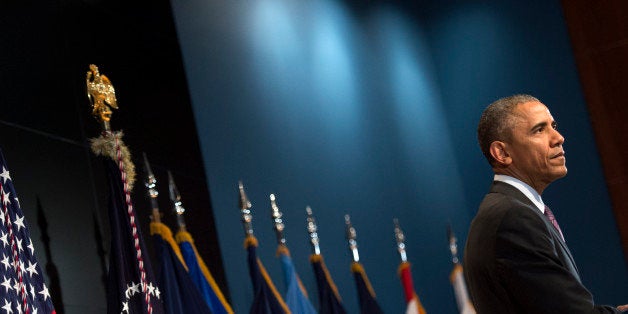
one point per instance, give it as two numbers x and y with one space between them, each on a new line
536 147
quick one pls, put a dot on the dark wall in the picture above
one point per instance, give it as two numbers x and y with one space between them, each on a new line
45 123
371 109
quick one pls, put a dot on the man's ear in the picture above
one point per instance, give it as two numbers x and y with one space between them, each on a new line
500 154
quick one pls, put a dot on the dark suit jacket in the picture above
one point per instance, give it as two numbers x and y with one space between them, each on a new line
516 262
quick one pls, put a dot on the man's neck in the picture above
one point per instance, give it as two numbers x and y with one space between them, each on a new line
525 188
537 186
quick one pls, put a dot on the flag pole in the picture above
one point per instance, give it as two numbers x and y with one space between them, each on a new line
175 197
151 189
400 238
266 295
312 230
412 299
101 95
200 274
457 279
328 296
296 296
453 246
102 98
245 211
366 293
278 226
352 239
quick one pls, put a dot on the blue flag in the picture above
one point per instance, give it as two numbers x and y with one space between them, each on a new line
296 296
366 294
328 296
266 299
178 291
22 288
201 276
131 286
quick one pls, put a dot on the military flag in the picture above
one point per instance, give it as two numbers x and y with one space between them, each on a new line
328 297
198 271
414 305
366 294
266 298
131 287
22 288
296 295
457 277
179 293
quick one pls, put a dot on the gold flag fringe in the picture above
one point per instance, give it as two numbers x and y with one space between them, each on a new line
105 145
314 258
166 234
402 267
358 269
250 240
184 236
282 249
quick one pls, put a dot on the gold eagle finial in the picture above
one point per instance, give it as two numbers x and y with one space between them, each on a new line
101 94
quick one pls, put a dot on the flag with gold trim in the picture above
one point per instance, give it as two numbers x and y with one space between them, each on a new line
131 286
296 295
179 293
460 290
266 298
414 305
202 277
328 297
198 271
457 277
366 294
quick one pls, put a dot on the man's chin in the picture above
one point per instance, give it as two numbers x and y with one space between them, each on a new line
561 173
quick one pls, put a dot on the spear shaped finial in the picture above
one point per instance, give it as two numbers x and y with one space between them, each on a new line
277 221
312 230
175 197
245 210
351 238
151 185
453 246
401 245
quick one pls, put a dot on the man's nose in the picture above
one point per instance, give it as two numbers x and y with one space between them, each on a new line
557 138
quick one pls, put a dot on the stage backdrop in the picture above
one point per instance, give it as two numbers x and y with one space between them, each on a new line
370 109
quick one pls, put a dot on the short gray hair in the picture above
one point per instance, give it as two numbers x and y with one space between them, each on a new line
497 121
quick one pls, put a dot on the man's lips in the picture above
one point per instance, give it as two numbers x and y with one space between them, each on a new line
560 154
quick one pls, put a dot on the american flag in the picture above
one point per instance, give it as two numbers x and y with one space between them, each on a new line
22 287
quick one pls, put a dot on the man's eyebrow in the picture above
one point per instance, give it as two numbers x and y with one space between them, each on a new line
538 125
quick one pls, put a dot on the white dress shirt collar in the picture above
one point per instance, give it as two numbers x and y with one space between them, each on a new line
527 190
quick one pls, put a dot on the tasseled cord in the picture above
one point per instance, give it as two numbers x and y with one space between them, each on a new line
105 145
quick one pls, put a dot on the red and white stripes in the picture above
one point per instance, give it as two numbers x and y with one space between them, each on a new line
16 258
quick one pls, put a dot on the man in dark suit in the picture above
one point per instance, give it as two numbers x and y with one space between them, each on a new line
516 259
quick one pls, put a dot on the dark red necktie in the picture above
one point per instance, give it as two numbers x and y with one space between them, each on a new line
552 219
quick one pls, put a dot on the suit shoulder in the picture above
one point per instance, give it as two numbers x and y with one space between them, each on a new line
495 205
498 211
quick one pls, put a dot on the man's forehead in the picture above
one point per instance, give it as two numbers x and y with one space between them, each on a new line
532 110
